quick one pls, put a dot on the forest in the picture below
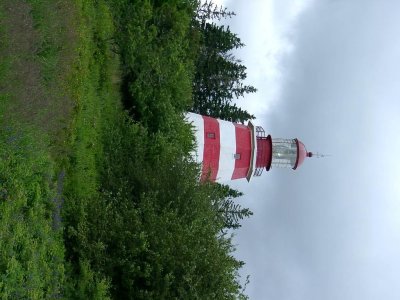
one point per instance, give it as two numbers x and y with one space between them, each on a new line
99 196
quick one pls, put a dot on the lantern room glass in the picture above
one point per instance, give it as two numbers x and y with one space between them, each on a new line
284 153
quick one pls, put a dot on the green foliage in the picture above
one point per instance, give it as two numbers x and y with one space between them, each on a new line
86 285
31 252
154 40
97 103
137 224
153 228
136 215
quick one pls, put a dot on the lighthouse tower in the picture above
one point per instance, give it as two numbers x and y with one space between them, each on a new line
229 151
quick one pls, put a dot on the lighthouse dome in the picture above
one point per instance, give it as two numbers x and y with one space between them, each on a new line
301 154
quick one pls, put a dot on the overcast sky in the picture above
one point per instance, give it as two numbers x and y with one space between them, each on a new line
328 73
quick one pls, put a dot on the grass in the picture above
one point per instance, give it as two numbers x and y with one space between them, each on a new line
56 53
97 102
32 251
48 122
96 97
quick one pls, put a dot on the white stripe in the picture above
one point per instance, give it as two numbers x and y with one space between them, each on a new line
254 150
227 151
198 129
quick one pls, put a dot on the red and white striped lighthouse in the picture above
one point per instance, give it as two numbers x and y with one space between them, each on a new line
229 151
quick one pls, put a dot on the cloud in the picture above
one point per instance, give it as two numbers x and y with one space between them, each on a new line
329 230
264 26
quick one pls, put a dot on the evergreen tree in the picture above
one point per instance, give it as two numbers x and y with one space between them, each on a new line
211 11
227 211
235 114
219 76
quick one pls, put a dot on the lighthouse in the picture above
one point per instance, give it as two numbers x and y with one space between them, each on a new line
229 151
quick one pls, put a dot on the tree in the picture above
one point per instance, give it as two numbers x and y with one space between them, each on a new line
210 11
235 114
227 211
219 76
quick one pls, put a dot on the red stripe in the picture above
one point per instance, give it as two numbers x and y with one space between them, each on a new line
243 147
264 153
211 149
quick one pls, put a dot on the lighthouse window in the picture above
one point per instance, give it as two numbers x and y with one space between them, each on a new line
211 135
284 153
236 155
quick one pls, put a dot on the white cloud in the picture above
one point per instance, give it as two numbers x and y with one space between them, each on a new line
266 27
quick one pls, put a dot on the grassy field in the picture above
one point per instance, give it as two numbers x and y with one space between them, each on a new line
98 196
52 83
32 261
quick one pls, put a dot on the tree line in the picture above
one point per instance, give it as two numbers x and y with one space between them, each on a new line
181 36
153 231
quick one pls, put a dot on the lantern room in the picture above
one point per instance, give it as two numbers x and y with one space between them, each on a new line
288 153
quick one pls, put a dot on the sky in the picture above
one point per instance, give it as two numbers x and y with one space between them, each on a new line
327 73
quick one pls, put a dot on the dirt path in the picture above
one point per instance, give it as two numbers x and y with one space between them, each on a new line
37 100
24 85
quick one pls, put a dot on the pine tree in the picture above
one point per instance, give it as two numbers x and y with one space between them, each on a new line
235 114
227 211
219 76
211 11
